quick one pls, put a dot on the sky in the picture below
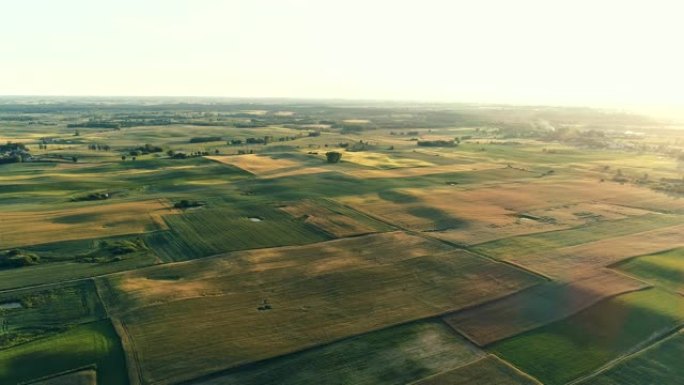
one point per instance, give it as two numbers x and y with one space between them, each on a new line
598 52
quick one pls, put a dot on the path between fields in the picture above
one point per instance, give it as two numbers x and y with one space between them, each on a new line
638 350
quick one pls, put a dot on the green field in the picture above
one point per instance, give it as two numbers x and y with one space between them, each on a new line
565 350
663 269
90 344
28 315
201 233
659 364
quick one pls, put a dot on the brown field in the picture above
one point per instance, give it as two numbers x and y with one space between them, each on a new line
193 318
538 306
82 377
489 370
570 263
20 228
329 218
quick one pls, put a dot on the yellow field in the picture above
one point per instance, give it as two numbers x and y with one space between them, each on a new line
538 306
189 319
91 221
256 164
419 171
378 160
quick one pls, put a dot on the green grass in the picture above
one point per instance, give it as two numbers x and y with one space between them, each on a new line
565 350
660 364
91 344
397 355
663 269
47 311
533 244
208 231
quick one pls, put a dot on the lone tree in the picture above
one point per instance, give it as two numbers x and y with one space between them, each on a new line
333 156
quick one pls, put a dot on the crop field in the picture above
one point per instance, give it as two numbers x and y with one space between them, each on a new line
27 228
212 241
582 260
485 371
520 246
659 364
664 269
201 233
537 306
85 345
258 164
334 218
568 349
343 288
397 355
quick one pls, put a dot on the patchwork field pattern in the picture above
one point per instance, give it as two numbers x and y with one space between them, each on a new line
210 242
538 306
565 350
343 288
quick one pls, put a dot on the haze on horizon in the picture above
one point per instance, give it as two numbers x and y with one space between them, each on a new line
607 53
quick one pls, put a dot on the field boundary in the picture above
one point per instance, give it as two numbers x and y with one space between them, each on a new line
638 350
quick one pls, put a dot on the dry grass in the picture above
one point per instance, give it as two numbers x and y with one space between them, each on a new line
190 319
22 228
538 306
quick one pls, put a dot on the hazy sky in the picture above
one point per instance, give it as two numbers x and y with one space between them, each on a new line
522 51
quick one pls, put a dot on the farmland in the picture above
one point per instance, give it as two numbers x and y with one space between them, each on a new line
155 242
